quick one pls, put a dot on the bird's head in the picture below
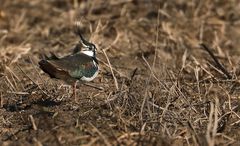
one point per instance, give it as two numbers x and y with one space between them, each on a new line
87 47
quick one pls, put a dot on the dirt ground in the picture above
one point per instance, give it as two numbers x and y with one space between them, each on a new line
156 85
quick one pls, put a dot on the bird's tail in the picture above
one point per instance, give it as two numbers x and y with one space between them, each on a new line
48 68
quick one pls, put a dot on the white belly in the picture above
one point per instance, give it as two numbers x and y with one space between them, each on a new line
89 79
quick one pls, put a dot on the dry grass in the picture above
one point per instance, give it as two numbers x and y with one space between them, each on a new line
157 85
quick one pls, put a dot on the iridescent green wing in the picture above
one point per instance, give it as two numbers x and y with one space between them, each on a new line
77 65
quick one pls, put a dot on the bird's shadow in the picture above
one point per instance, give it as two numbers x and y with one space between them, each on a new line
14 107
47 102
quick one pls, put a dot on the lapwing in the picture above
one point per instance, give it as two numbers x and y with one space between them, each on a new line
80 66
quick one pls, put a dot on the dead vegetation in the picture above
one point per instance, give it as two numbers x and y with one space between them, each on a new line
157 85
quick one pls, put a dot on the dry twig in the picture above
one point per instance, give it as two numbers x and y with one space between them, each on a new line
219 65
110 66
101 135
33 122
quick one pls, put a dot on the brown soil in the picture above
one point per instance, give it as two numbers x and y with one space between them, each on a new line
159 86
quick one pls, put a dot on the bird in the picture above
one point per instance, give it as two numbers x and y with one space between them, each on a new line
80 66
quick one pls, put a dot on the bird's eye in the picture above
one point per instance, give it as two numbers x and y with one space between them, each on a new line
92 47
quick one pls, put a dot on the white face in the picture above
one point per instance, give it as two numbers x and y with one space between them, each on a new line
88 52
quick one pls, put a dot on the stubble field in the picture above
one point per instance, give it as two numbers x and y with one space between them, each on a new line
156 86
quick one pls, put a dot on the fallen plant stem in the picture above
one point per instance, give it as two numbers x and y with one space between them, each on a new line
110 66
93 86
32 80
219 65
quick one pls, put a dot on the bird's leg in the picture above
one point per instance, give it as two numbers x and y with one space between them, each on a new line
74 90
